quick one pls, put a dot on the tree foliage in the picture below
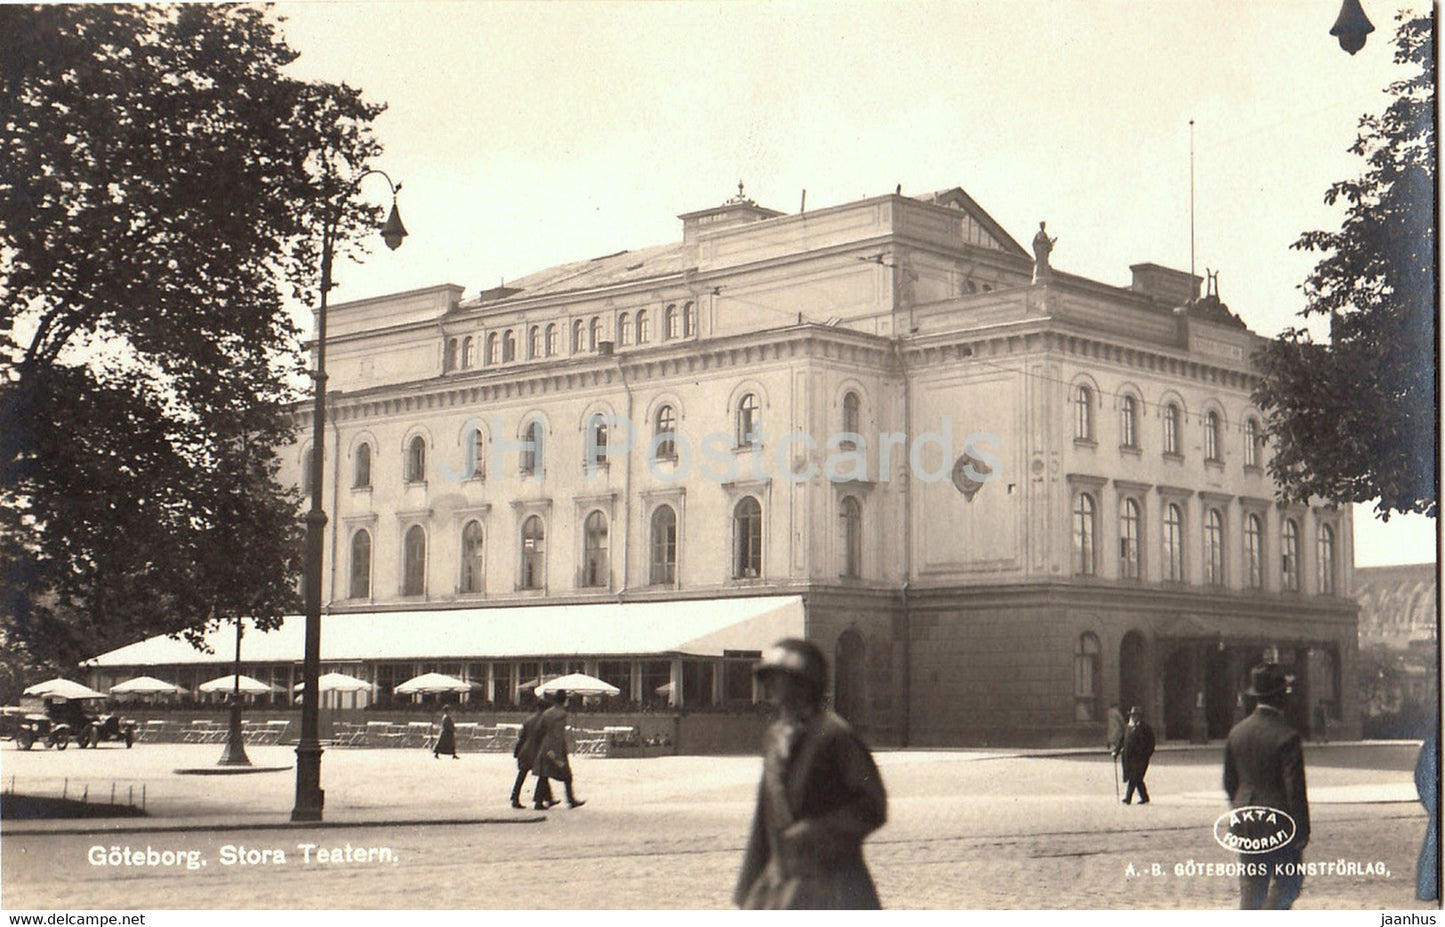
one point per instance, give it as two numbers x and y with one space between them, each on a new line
1354 419
163 183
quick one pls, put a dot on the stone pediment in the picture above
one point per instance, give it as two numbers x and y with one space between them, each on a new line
979 229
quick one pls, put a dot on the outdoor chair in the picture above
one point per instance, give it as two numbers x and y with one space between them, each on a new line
382 734
418 734
274 731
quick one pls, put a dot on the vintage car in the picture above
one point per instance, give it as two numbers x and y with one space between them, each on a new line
55 722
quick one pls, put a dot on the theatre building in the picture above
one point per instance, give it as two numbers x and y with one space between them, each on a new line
1000 496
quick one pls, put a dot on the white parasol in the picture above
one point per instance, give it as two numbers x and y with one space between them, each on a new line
145 685
578 683
432 682
248 685
62 688
337 682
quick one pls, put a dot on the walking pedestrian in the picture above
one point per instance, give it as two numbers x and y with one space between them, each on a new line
1264 768
551 762
1137 748
525 753
819 797
447 739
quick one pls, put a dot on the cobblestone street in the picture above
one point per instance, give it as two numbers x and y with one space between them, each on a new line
967 829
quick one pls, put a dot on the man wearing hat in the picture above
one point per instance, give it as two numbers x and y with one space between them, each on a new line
1137 749
820 796
1264 768
551 761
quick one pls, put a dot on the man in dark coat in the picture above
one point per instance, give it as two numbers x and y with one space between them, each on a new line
1264 769
551 762
447 739
1135 753
820 796
525 752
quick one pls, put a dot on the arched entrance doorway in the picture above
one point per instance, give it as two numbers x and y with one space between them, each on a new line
848 678
1133 673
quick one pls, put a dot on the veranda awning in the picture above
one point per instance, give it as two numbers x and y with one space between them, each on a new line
698 627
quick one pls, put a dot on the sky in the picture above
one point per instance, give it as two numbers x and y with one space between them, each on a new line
531 134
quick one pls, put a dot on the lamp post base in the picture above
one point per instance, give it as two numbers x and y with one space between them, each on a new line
235 753
309 796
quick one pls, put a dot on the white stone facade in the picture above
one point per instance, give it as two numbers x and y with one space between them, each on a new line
868 336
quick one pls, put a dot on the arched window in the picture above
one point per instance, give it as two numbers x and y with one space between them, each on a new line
534 342
664 433
747 539
449 363
1326 560
1083 413
1173 544
579 331
471 581
624 330
1254 551
1129 539
852 413
509 346
492 355
1211 436
1214 548
689 321
416 460
663 571
643 331
361 564
1129 422
552 340
749 420
670 328
532 456
595 335
851 515
1171 429
1253 439
1289 559
594 550
361 467
476 460
597 441
1085 559
469 353
413 570
1087 673
533 553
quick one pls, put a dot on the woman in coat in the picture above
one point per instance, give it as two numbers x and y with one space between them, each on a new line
447 739
820 796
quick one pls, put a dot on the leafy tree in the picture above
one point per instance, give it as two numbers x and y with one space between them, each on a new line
1354 419
162 181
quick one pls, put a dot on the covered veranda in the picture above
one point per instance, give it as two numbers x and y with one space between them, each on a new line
674 654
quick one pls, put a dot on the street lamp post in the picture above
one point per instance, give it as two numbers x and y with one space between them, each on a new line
309 796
